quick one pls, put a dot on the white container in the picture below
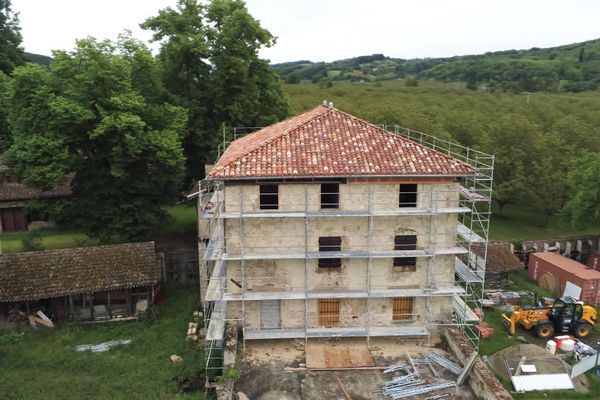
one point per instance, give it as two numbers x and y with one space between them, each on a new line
551 346
567 345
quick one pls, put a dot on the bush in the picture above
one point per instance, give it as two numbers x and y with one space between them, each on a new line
32 242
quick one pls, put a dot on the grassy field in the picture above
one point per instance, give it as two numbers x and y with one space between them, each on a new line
517 223
182 219
44 363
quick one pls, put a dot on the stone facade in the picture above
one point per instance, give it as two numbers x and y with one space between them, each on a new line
367 220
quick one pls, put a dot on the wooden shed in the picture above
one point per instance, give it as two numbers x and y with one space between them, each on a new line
86 283
552 272
500 261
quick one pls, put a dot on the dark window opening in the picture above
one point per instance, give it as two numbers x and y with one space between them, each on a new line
405 242
330 195
408 195
269 197
330 243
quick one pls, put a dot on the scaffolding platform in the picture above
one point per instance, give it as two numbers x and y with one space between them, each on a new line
216 326
340 213
342 294
469 235
465 274
463 311
296 333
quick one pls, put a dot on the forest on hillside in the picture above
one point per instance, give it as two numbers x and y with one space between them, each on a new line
547 146
571 68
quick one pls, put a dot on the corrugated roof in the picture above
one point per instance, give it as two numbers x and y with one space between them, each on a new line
55 273
571 266
529 383
327 142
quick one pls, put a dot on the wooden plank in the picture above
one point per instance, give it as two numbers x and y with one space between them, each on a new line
31 321
43 316
341 385
315 356
42 322
469 364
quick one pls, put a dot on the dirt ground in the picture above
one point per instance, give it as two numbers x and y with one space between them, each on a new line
263 377
537 354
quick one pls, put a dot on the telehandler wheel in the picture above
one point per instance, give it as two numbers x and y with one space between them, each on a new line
583 330
544 331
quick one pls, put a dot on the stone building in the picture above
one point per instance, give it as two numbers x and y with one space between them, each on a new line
324 225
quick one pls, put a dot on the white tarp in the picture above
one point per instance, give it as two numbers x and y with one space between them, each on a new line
572 290
528 383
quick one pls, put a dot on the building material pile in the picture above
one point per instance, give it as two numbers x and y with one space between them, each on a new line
194 332
410 383
34 319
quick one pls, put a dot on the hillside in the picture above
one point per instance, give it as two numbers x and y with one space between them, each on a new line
38 58
574 67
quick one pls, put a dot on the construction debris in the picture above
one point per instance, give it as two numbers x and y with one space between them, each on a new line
444 362
176 359
468 365
194 332
102 347
410 390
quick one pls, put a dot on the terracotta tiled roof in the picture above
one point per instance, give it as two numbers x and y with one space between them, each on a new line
54 273
18 191
328 142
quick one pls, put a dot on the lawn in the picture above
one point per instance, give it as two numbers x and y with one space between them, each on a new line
182 219
518 223
44 364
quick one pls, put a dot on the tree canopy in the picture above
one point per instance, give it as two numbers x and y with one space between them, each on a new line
11 54
98 117
211 67
584 207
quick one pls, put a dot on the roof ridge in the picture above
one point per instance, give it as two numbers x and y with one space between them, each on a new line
275 137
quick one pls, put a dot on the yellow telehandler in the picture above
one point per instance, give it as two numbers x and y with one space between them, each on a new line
566 316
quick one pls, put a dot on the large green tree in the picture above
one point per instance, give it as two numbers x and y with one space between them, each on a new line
97 117
11 54
5 133
584 206
211 66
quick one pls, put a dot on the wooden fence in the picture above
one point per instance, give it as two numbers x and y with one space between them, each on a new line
180 268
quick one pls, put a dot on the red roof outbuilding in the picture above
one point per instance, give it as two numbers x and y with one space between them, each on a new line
326 142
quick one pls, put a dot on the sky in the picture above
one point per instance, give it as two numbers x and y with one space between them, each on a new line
327 30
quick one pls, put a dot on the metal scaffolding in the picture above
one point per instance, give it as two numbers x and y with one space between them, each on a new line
229 248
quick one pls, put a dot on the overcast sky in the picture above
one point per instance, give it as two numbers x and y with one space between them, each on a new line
326 30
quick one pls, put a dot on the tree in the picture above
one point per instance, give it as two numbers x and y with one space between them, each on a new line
209 56
511 139
5 133
583 209
11 55
97 118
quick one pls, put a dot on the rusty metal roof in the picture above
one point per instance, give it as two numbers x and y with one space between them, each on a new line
570 266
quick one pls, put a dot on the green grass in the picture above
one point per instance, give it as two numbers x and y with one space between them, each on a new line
50 239
183 218
517 223
44 364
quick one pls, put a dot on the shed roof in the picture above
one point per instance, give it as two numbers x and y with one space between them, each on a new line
11 191
55 273
568 265
328 142
499 258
